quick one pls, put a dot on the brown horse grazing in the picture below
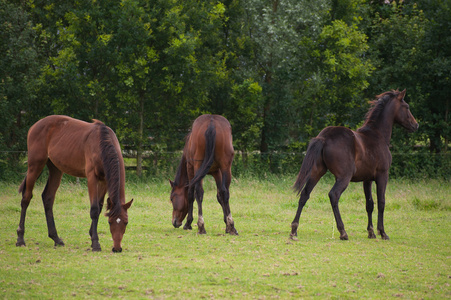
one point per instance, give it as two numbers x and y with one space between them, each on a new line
361 155
79 149
208 150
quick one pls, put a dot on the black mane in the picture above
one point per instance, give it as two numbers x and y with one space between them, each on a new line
111 167
182 173
378 107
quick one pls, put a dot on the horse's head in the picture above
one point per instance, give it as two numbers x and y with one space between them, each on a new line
403 116
179 199
118 223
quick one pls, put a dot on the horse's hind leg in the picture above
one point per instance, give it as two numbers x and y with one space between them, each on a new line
34 170
48 198
334 196
199 198
305 195
223 179
369 208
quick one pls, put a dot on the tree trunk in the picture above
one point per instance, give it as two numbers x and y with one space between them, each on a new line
139 150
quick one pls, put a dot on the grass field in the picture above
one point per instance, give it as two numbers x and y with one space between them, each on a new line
162 262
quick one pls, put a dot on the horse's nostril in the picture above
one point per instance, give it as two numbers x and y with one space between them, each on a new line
117 251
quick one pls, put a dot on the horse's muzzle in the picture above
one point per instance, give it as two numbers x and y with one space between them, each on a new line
117 250
176 225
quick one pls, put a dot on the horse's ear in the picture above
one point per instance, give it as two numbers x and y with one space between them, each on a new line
127 205
109 204
172 183
402 95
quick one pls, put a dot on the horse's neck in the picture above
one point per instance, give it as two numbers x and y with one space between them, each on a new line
386 127
383 127
183 171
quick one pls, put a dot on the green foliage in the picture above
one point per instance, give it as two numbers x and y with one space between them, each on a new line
20 63
280 71
343 72
407 50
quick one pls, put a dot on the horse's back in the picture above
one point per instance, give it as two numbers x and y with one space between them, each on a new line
65 141
222 127
223 138
221 124
353 154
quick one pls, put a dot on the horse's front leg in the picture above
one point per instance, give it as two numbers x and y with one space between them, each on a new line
97 191
189 218
381 183
95 212
369 208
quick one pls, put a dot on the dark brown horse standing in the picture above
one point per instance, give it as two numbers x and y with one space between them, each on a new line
208 150
361 155
80 149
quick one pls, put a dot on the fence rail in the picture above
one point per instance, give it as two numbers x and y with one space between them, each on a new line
417 163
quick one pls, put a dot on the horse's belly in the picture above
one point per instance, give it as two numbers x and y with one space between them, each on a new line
69 165
363 172
360 178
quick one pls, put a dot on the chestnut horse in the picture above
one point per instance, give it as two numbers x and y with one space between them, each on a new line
79 149
208 150
361 155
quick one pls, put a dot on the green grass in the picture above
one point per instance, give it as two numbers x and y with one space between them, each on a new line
161 262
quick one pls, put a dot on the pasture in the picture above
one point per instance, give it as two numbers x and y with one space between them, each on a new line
160 262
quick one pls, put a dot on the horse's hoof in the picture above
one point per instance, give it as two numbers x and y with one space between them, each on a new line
293 237
20 244
187 227
59 243
231 231
344 237
96 247
202 232
385 237
371 235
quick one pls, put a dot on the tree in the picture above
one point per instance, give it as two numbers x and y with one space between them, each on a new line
435 82
411 48
78 75
278 31
20 64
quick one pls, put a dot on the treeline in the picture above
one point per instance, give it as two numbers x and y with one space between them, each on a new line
280 71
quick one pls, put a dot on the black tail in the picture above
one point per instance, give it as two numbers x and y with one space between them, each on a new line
209 157
23 186
314 150
111 167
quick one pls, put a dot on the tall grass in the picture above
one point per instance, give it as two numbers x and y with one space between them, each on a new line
161 262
